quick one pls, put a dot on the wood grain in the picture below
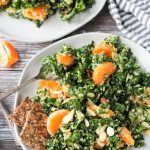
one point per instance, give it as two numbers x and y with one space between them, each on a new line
9 77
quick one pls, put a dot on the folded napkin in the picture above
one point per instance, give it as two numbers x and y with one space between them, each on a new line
133 19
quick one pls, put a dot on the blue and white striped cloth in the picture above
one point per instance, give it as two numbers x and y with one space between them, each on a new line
133 19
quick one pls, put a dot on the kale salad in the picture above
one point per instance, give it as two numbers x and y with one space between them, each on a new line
101 100
39 10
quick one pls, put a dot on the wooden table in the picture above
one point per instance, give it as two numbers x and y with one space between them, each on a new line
9 76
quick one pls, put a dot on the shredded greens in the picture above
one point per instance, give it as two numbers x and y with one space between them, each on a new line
122 101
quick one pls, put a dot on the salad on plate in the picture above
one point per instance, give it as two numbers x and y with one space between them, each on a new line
100 101
38 11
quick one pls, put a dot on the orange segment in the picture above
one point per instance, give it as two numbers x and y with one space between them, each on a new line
104 48
92 106
3 2
8 54
110 113
37 13
54 120
10 50
53 86
102 72
65 59
126 137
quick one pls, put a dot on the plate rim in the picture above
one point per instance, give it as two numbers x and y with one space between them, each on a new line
57 43
61 36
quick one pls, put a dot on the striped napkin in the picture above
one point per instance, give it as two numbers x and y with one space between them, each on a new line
133 19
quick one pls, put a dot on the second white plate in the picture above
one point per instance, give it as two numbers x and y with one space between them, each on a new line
52 29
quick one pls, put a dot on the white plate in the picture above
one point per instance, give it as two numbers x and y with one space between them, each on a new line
34 65
52 29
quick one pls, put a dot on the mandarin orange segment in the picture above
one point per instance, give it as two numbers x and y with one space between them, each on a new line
104 48
54 121
102 72
92 106
53 86
37 13
3 2
126 137
110 113
65 59
8 54
10 50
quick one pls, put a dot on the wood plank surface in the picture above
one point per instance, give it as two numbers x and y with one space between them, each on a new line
103 22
